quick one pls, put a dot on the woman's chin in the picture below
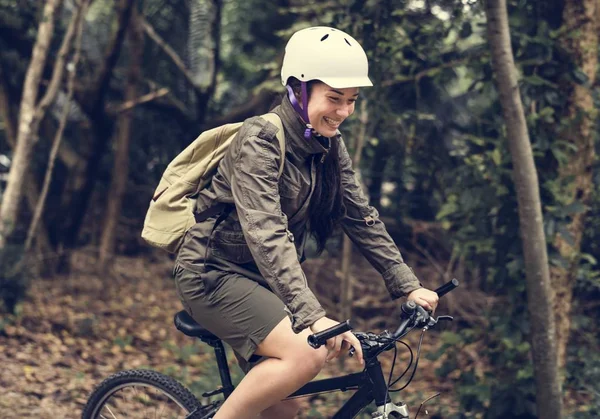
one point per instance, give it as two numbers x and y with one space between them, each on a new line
326 132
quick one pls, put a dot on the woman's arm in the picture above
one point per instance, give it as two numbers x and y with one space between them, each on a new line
367 231
254 185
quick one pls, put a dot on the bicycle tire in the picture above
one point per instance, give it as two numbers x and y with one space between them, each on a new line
166 386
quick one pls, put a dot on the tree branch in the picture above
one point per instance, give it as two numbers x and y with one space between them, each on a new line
172 55
138 101
120 171
424 73
100 86
5 109
24 144
77 25
57 73
254 106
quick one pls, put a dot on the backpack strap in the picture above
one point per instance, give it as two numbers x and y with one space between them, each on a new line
276 120
225 209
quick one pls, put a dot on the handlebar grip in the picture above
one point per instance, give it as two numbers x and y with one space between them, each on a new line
447 287
318 339
408 308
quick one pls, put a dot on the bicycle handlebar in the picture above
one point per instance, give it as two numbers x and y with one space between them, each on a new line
447 287
409 309
318 339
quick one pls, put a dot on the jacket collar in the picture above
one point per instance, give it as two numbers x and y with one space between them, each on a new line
294 131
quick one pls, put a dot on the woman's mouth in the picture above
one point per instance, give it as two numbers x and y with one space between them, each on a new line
333 123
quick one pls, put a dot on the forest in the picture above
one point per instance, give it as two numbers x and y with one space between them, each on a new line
478 144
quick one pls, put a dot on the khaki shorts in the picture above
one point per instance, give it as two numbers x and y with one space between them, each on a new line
238 310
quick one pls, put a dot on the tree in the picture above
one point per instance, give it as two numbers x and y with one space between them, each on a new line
579 39
30 115
121 164
92 99
75 27
539 293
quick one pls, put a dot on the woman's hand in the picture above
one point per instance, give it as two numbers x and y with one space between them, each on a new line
425 298
336 344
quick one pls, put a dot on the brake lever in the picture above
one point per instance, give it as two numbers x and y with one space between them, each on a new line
445 318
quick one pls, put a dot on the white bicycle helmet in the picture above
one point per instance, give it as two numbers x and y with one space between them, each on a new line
328 55
325 54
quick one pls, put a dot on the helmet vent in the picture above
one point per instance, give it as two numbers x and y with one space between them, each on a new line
325 37
347 42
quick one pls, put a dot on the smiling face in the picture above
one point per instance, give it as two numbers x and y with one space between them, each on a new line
328 107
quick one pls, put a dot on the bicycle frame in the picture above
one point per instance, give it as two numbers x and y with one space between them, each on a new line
370 385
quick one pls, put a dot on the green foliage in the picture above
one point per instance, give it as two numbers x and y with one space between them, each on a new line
436 137
480 213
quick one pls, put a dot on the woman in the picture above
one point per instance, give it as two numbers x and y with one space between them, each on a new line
238 272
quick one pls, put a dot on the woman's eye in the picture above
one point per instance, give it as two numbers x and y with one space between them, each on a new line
333 99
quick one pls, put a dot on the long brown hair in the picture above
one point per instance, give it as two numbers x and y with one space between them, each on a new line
326 208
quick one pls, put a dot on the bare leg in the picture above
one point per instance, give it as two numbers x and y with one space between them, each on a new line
286 409
291 364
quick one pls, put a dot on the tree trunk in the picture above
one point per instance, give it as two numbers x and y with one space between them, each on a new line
580 38
121 164
92 98
76 26
539 293
347 289
31 193
25 135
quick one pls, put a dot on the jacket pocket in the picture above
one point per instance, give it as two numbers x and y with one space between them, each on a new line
231 246
290 182
188 285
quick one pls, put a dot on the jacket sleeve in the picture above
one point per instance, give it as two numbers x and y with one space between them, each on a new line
255 190
362 224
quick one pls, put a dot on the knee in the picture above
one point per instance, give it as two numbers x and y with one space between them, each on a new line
311 361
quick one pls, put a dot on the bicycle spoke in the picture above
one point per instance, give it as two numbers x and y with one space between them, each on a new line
141 401
111 413
137 394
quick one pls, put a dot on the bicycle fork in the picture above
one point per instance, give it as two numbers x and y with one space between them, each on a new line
385 408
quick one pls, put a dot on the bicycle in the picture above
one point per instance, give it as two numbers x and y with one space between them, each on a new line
370 384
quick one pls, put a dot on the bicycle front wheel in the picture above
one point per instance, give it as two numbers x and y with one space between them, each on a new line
144 394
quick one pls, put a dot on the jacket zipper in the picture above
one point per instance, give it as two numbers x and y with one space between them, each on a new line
324 155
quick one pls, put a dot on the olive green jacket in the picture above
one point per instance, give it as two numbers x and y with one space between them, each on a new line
264 237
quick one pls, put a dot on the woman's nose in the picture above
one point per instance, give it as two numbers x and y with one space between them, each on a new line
344 111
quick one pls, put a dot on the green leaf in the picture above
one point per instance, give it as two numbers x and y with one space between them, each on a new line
589 258
576 207
447 209
566 234
580 77
536 80
497 156
524 374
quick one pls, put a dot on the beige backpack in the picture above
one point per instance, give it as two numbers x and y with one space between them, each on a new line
171 211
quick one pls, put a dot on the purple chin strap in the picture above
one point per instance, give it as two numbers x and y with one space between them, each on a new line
302 110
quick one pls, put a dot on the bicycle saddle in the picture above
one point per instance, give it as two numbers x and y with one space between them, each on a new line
188 326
